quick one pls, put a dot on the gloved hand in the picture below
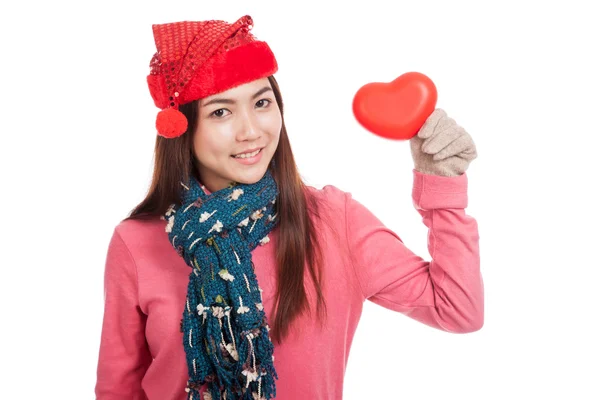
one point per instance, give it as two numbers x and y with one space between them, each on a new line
441 147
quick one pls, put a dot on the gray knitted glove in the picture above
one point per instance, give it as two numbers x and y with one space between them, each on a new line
441 147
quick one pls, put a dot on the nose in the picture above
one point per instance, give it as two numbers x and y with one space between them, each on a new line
248 128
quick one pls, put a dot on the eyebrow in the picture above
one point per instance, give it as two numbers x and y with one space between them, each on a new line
230 101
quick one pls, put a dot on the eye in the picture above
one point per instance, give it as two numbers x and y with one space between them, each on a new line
219 113
266 103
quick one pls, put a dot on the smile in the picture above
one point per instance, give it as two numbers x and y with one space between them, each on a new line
249 158
248 155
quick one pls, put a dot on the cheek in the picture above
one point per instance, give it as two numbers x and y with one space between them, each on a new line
201 147
208 143
273 125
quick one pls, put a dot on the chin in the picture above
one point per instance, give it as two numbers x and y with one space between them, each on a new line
250 177
250 174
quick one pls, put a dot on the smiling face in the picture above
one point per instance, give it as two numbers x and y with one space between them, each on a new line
241 120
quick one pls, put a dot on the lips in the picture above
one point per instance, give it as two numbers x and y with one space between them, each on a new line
247 151
249 160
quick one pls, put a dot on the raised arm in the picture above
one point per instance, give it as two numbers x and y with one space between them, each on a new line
446 292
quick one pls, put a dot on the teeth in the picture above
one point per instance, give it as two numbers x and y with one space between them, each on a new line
247 155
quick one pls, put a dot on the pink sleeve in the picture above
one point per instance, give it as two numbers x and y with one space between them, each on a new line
124 355
446 292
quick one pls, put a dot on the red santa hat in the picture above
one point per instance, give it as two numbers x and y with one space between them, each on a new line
196 59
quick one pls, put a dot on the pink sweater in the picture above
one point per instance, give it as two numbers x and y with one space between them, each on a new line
141 351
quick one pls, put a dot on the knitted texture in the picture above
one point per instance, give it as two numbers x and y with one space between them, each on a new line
442 147
225 330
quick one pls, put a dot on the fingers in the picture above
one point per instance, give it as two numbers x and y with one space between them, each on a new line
469 154
453 166
429 127
442 147
437 142
462 147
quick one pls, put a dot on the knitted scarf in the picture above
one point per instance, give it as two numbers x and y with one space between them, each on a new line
225 330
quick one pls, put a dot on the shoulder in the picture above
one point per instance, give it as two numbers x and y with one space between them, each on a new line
137 233
328 201
343 208
147 241
329 194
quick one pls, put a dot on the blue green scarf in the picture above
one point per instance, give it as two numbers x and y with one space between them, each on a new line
225 330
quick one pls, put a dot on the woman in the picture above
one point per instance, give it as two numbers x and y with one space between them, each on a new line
232 279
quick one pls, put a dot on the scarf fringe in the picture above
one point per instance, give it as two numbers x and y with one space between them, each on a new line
245 378
220 369
217 365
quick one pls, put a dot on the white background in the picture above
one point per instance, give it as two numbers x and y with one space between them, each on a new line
521 77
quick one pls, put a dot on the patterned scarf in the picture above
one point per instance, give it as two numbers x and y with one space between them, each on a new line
225 330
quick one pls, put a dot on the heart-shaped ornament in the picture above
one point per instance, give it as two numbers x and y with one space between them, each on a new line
395 110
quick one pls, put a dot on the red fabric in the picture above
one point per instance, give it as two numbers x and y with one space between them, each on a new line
229 69
196 59
170 123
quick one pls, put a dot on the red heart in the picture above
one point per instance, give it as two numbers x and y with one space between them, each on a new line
398 109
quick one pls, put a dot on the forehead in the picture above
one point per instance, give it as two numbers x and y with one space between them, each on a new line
240 91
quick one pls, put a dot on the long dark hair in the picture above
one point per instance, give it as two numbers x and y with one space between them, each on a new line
297 245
